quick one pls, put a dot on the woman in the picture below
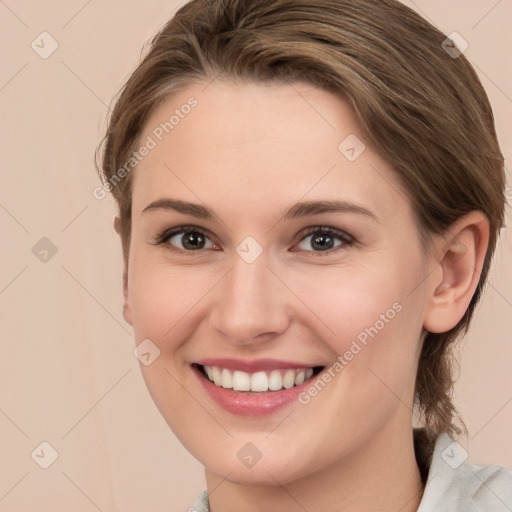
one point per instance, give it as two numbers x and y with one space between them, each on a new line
310 195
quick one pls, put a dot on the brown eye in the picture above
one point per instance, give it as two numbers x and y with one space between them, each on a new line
190 241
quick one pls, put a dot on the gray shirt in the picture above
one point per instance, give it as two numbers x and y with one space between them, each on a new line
453 485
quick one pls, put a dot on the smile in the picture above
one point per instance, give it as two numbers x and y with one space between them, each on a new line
260 388
262 381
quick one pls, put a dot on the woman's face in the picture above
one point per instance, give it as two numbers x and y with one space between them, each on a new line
267 242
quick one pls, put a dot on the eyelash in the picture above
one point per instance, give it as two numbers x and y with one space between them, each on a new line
345 238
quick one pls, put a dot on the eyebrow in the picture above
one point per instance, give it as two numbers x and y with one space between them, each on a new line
196 210
304 209
299 210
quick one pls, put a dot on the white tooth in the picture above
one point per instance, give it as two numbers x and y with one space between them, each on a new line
289 379
226 379
216 375
241 381
259 381
275 381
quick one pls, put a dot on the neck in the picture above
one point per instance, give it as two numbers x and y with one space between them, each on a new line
381 476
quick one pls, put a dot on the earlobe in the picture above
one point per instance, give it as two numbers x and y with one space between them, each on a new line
460 255
117 225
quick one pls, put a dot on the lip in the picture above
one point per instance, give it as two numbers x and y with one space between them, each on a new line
251 403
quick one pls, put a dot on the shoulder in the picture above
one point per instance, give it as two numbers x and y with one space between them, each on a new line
455 485
201 504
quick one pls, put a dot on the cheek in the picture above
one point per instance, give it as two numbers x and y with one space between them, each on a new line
372 320
163 298
356 302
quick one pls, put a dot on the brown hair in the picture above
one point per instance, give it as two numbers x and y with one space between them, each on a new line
421 106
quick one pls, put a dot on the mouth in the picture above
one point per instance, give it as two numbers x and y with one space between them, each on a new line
256 387
259 382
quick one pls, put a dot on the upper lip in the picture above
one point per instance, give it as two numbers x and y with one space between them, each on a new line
253 365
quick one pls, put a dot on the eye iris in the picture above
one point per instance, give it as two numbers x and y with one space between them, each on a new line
322 242
193 241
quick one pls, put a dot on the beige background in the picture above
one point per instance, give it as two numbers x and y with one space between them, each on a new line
68 373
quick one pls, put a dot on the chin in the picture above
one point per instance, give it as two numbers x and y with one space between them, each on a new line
275 467
261 475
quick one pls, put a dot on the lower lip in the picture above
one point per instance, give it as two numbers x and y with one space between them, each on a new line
251 404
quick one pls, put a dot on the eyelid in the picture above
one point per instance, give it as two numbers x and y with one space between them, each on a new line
327 230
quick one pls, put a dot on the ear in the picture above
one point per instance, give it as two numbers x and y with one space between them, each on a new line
127 311
460 254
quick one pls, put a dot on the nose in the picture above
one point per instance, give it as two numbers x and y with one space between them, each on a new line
250 305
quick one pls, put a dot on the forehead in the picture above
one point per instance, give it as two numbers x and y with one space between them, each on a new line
260 145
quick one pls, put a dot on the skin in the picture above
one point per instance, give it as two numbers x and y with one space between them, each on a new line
249 152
